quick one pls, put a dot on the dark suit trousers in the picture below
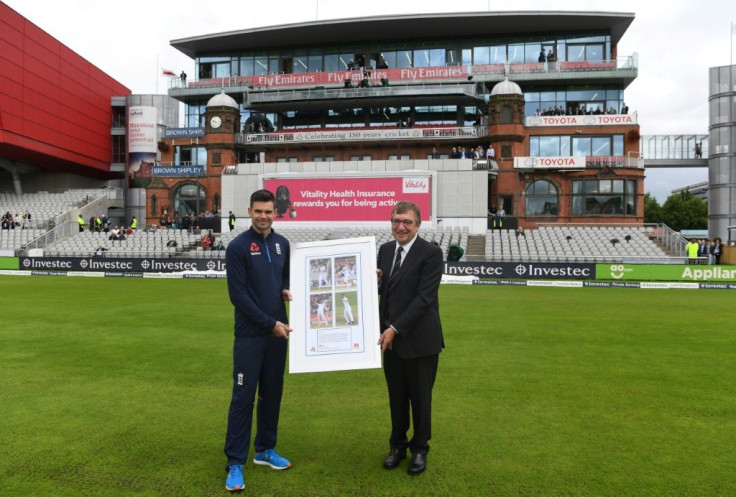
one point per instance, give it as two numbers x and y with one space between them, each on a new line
410 383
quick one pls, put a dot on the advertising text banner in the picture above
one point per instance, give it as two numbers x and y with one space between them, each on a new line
666 272
349 198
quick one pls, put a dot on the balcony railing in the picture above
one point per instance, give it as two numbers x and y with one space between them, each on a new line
370 134
491 72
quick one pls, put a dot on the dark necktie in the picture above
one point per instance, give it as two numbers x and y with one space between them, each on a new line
397 262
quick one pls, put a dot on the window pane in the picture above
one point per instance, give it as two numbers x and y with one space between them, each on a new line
437 57
618 144
581 146
498 54
601 146
594 53
246 66
421 58
403 59
481 55
516 52
549 146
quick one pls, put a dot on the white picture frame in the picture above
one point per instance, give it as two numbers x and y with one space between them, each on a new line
334 311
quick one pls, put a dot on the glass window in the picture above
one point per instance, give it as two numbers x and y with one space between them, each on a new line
421 58
549 146
516 52
534 146
481 55
575 53
404 59
601 145
301 61
390 58
332 63
246 66
604 197
467 56
437 57
541 199
594 53
581 146
498 54
315 61
189 199
260 64
618 144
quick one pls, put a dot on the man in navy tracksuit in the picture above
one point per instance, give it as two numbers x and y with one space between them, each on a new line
258 284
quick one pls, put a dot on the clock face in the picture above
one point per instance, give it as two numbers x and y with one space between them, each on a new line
215 122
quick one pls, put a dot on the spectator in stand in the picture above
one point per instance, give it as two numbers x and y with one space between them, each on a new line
218 245
134 224
163 221
542 56
520 232
183 77
114 234
92 223
717 249
172 243
691 249
454 154
98 224
491 153
698 151
80 222
100 251
435 154
206 240
624 108
231 221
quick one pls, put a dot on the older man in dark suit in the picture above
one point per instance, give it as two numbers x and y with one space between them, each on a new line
409 272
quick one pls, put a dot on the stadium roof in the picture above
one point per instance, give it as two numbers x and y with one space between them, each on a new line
407 27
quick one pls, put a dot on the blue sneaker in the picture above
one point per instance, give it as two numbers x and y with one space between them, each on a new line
234 482
271 458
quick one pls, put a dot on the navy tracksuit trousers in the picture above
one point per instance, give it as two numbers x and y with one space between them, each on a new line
258 366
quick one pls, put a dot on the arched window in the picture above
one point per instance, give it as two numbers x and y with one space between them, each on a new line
185 199
154 205
541 198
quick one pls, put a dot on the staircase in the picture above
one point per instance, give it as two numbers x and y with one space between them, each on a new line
476 251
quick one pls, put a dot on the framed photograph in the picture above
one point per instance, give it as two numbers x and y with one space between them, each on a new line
334 311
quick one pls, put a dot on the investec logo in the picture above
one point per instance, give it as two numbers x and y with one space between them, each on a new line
416 185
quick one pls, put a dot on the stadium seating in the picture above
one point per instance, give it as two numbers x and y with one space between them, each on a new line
45 206
600 244
18 238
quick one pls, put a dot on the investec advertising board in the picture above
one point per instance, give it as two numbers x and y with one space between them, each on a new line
349 196
522 270
651 272
144 265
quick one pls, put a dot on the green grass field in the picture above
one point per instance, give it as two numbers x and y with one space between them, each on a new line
121 387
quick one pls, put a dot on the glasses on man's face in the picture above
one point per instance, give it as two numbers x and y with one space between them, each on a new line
405 222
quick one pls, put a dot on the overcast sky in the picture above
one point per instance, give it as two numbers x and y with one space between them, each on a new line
677 41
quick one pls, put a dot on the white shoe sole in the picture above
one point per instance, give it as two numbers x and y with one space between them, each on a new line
266 463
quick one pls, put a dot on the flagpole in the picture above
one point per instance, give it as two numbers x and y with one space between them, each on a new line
157 70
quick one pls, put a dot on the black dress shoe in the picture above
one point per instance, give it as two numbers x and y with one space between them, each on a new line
418 464
393 458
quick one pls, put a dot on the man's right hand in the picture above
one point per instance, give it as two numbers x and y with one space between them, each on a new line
282 330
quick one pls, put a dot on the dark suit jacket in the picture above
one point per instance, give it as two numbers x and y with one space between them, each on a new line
409 299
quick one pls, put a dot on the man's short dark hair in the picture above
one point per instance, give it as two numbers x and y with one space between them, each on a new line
261 196
403 206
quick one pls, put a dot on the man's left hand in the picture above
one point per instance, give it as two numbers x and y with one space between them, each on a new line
286 294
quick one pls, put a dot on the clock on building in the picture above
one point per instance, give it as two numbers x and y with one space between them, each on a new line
216 122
